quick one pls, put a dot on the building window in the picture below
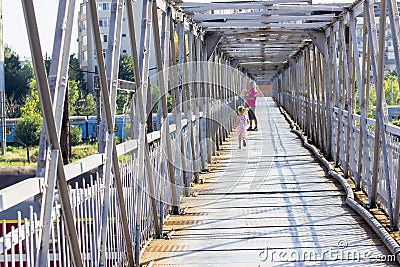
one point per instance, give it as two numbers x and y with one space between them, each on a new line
83 8
104 53
102 6
124 51
105 38
84 40
124 35
84 55
103 22
83 25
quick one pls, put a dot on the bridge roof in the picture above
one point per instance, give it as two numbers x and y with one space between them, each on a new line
260 36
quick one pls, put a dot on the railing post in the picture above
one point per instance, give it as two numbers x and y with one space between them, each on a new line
200 125
346 96
337 95
328 101
363 140
192 96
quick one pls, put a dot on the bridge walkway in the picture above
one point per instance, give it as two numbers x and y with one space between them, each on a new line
267 204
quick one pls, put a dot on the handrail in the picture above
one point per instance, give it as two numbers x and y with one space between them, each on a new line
31 187
390 128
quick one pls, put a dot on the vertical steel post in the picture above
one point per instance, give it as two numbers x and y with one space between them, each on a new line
2 87
197 89
338 95
112 59
328 101
192 103
200 94
394 25
363 140
57 83
90 76
179 160
46 104
380 135
374 53
58 75
110 127
165 126
345 95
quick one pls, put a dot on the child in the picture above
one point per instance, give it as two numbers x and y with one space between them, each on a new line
242 122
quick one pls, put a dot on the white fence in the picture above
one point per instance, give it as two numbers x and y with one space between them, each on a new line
18 244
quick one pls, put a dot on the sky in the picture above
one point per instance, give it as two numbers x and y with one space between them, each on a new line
15 34
46 10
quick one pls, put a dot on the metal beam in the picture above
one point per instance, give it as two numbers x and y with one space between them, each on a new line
57 85
110 127
2 87
319 40
163 93
46 104
211 43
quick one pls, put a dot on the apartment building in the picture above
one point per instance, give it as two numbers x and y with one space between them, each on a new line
86 47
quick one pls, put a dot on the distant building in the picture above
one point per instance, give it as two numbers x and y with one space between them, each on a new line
389 62
86 47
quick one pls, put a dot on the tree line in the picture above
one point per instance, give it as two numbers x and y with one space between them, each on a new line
22 98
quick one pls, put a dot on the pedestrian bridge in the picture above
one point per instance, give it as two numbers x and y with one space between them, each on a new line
268 204
318 184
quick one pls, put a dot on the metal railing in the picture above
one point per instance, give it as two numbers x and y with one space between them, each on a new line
18 244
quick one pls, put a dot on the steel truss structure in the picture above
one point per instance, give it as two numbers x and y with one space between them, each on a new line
309 52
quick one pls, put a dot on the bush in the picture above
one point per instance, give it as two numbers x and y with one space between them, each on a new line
396 122
27 132
75 135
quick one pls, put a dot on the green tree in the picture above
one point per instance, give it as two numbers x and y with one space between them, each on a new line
89 107
31 107
75 73
73 97
123 99
17 80
27 130
75 135
126 68
391 87
371 102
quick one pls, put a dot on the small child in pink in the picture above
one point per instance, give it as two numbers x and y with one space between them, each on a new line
242 122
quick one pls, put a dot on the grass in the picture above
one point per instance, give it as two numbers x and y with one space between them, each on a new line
16 155
82 151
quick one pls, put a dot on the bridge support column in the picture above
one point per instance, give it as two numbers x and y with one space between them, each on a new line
395 30
46 106
377 62
110 126
167 146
